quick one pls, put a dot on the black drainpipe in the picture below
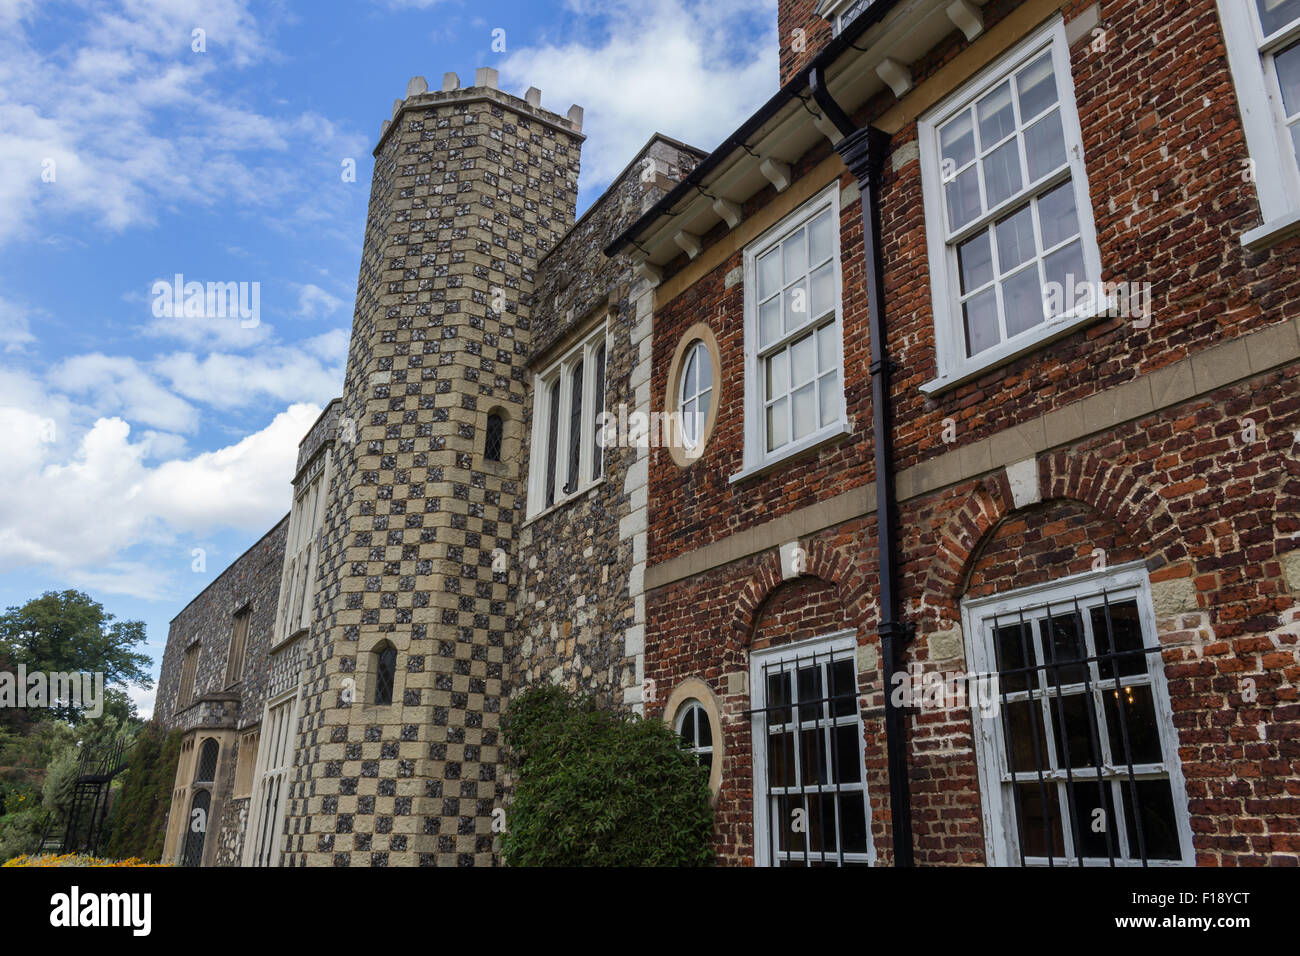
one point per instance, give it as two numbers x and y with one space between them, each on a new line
863 151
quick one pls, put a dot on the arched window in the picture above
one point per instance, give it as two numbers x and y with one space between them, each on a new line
207 768
696 733
695 393
385 672
196 827
492 439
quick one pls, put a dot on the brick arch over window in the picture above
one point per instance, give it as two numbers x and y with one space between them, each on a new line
1111 490
823 562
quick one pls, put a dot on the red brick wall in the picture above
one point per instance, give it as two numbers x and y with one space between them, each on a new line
793 15
1180 488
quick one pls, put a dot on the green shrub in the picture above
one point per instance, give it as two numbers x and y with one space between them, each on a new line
139 817
601 788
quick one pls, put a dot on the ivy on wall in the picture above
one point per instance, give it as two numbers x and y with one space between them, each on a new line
139 822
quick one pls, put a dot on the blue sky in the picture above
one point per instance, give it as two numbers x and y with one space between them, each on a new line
132 438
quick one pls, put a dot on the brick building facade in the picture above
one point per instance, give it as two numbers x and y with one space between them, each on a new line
974 536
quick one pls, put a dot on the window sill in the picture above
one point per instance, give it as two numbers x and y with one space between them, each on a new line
987 362
810 444
564 502
276 645
1272 232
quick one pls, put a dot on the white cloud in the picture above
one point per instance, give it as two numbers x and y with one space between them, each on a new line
110 500
122 119
314 302
692 71
120 385
311 370
15 329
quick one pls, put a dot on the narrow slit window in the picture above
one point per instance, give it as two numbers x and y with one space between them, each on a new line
575 429
385 673
492 438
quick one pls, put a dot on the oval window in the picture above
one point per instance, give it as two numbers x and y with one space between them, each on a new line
695 393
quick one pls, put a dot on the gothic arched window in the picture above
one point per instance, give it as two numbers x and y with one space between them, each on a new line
207 768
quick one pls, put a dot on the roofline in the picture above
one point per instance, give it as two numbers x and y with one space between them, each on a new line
695 150
737 140
243 554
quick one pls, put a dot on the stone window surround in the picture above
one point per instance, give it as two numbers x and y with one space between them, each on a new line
955 366
1272 155
697 690
368 671
587 345
999 834
699 332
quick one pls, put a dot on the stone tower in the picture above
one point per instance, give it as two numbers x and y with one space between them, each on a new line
471 188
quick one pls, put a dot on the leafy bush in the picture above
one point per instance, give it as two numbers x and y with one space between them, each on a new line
601 788
139 820
21 832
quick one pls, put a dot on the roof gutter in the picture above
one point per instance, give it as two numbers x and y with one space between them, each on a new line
863 151
740 138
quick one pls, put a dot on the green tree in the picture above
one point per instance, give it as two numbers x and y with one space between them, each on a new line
69 632
601 788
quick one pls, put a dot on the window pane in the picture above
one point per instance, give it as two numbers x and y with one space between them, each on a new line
1040 822
1098 834
704 732
1155 807
827 354
803 361
1016 239
1063 645
829 397
853 823
769 320
1288 77
963 196
1076 710
1014 646
778 697
1037 85
1124 637
796 305
1045 145
769 273
690 380
822 290
702 413
1056 215
575 429
981 315
1002 173
690 412
705 366
1139 712
795 251
1065 268
810 690
777 426
778 374
957 142
780 760
597 446
820 238
975 261
1023 300
1275 14
805 411
848 764
996 116
1025 752
552 438
813 757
